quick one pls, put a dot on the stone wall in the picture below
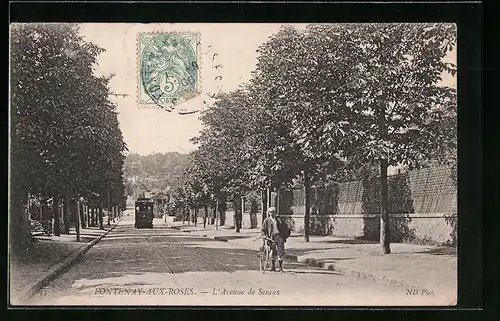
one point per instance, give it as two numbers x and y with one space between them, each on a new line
422 208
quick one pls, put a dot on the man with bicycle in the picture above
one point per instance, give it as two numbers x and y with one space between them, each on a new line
278 232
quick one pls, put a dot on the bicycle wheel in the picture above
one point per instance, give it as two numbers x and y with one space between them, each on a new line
262 259
265 260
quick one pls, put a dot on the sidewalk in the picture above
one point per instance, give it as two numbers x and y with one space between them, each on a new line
184 227
424 268
49 256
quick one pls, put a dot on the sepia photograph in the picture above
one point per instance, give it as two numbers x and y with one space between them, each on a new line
233 164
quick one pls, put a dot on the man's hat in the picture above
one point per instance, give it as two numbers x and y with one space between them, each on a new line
271 209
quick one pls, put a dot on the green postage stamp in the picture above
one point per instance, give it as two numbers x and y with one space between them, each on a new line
168 67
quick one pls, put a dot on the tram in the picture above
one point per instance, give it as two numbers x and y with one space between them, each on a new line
144 213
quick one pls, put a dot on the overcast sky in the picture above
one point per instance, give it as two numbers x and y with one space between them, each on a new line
148 130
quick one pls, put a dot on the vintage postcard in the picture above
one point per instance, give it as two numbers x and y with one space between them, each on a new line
233 164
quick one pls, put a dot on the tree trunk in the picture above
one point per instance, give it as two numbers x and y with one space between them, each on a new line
237 209
66 214
214 216
108 206
307 192
28 209
51 218
384 214
222 207
240 217
101 223
264 205
20 230
57 217
278 211
205 218
84 216
77 221
216 212
195 216
82 210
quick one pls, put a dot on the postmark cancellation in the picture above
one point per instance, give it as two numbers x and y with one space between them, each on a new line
168 68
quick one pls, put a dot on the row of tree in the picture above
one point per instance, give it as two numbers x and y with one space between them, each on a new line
324 102
66 144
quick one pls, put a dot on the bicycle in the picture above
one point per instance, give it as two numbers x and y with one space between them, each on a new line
265 253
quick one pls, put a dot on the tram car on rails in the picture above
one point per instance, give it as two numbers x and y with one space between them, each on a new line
144 213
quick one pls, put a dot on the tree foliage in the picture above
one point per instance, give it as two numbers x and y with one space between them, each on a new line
331 101
65 137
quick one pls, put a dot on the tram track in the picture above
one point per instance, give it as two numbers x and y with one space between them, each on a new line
213 261
187 257
183 258
169 269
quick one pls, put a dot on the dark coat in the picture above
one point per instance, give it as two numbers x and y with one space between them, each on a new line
283 229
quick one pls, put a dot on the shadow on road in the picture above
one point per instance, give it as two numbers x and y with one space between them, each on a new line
312 250
233 237
445 250
350 241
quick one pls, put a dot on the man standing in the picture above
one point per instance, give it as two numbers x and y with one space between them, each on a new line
271 229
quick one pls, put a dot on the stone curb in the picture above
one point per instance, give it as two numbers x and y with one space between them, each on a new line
178 228
220 238
63 266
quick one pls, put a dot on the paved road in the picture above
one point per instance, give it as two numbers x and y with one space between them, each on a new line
163 266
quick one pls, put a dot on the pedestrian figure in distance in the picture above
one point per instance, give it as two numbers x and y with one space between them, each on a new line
271 228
